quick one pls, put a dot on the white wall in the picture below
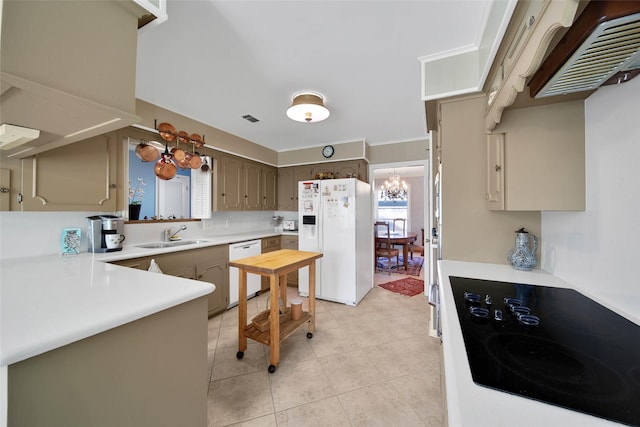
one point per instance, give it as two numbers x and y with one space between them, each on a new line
27 234
599 248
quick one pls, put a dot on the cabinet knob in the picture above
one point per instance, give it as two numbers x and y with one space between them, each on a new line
498 168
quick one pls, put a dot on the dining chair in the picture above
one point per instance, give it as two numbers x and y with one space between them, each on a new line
418 249
383 248
396 228
403 221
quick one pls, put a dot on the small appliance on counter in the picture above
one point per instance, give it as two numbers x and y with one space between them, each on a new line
102 228
290 225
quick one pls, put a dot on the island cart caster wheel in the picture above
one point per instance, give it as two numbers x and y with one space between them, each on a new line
309 335
272 369
240 354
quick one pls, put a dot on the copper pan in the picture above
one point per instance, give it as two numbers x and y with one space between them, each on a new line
196 161
164 168
167 132
197 140
146 152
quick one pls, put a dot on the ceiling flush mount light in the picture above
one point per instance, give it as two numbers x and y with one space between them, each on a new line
307 107
394 189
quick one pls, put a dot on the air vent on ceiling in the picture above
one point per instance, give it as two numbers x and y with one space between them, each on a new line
608 45
250 118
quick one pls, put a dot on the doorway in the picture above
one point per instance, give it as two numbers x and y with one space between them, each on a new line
173 198
416 206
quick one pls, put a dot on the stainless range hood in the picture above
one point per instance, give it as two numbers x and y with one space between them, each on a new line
601 47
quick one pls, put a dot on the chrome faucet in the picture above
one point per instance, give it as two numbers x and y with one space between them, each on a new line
168 235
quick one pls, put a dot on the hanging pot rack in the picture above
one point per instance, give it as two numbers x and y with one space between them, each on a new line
165 168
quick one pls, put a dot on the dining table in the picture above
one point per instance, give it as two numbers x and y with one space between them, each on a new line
400 238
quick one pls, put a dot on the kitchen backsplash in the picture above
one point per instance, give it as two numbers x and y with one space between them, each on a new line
27 234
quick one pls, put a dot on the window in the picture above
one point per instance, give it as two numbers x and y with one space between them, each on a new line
389 209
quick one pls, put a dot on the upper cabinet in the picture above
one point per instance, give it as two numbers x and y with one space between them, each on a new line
244 185
76 177
68 69
288 178
536 159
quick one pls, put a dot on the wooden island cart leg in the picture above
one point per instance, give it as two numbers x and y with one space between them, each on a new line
274 318
242 313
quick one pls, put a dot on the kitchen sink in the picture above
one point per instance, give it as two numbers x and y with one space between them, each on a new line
160 245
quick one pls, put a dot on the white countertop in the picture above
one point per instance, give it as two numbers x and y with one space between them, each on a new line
469 404
51 301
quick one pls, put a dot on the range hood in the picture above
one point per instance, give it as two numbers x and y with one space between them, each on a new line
601 47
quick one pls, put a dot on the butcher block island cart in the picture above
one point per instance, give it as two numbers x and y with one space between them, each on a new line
275 265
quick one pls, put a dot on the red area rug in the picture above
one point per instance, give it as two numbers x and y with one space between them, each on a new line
409 286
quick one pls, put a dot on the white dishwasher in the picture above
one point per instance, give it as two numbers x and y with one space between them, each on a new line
237 251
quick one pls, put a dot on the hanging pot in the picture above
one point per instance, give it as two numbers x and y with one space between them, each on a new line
197 140
186 162
165 168
167 132
205 165
196 161
146 152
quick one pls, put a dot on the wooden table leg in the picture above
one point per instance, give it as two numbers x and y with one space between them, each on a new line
312 295
405 254
274 325
283 289
242 309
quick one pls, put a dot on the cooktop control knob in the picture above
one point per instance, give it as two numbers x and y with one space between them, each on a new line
487 300
497 315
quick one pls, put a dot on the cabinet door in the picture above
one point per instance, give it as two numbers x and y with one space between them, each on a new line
290 242
77 177
230 184
286 189
138 263
348 169
269 244
269 188
179 264
212 266
252 186
300 173
495 171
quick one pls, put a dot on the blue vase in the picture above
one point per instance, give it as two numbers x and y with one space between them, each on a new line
523 255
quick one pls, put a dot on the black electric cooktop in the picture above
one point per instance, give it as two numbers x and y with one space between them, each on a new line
553 345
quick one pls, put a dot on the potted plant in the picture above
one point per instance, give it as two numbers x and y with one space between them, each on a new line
135 199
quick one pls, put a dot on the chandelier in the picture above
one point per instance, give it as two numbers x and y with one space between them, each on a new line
393 188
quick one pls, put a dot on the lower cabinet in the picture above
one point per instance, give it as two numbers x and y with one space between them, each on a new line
148 372
210 264
290 242
269 244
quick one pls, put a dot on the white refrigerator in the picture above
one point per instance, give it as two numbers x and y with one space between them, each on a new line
334 217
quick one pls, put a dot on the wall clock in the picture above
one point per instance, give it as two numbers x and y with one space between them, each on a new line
327 151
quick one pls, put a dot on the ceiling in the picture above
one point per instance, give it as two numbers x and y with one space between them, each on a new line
216 61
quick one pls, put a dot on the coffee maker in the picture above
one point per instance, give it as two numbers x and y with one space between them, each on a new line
101 226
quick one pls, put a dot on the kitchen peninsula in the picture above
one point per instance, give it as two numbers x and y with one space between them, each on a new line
89 343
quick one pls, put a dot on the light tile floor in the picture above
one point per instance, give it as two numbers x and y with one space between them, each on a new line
369 365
